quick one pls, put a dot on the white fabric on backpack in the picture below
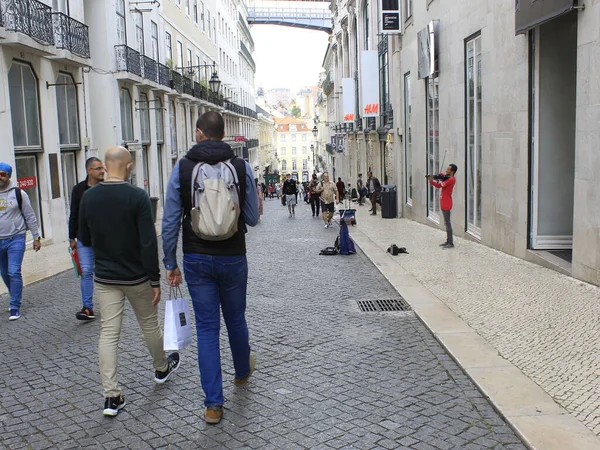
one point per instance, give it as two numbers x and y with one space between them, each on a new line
215 201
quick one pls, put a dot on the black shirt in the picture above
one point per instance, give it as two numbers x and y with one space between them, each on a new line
76 195
289 187
116 220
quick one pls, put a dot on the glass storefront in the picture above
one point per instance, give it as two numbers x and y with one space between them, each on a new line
27 180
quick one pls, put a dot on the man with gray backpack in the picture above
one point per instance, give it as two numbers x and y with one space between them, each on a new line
211 197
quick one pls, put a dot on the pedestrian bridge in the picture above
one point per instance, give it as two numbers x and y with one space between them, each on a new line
312 15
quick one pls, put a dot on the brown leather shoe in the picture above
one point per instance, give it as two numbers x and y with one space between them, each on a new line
243 381
213 414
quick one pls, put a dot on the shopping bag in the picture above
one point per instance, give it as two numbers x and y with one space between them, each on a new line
178 329
75 261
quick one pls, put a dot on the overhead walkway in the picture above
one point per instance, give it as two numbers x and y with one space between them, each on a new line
312 15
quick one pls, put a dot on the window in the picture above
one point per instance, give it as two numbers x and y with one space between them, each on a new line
69 175
408 9
189 58
473 118
126 116
169 46
179 54
24 106
433 144
203 24
304 137
160 126
198 68
293 138
284 165
294 164
139 31
187 7
173 128
209 25
366 25
192 124
408 138
304 150
185 122
282 136
304 164
61 6
121 27
195 10
154 36
68 114
214 26
144 110
283 151
293 150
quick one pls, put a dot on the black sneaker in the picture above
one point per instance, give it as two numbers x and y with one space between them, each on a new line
172 366
112 405
85 314
445 243
448 245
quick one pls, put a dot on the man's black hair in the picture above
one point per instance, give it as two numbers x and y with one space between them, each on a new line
360 174
454 168
212 125
91 161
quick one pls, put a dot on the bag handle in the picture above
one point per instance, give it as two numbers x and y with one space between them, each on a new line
173 291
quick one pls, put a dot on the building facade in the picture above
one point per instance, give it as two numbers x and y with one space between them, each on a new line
504 90
294 140
265 161
44 103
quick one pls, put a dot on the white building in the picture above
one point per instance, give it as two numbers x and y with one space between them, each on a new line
44 103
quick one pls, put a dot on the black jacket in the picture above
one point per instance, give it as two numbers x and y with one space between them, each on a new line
211 152
290 187
76 195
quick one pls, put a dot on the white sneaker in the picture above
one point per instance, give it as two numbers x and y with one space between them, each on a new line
326 225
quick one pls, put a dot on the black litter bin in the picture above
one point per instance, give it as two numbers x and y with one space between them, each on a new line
154 203
389 201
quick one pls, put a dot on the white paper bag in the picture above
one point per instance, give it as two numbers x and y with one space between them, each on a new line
178 330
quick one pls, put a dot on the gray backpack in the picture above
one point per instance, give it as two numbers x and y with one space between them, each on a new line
215 201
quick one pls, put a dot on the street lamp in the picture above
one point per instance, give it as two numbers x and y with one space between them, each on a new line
315 131
214 82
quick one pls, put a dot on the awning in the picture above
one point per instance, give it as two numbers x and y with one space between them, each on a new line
531 13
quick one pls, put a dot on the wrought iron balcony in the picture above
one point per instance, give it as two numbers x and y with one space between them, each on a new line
29 17
128 60
149 69
71 35
251 143
188 86
164 75
176 81
387 117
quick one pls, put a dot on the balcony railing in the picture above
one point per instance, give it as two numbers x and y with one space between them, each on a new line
176 81
247 54
164 75
29 17
188 86
149 69
71 35
128 60
251 143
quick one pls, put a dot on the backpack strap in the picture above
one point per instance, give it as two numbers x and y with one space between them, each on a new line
19 196
240 167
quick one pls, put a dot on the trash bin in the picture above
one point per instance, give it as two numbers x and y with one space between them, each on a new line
389 201
154 203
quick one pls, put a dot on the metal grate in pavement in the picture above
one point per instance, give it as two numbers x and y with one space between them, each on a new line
394 304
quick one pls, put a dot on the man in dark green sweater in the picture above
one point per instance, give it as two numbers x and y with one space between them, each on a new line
115 218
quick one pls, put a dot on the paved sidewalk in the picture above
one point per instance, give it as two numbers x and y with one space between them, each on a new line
543 322
328 375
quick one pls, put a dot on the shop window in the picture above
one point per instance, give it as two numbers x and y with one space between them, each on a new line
24 107
144 110
126 116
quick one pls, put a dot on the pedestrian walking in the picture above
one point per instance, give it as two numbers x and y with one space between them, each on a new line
446 184
341 187
115 219
260 199
216 271
95 174
329 193
374 187
315 197
16 217
278 189
361 189
263 189
290 190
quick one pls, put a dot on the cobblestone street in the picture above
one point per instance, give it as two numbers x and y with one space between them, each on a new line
328 375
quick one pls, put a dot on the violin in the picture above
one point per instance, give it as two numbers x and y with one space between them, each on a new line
439 176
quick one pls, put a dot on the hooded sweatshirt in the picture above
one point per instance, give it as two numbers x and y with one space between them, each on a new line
13 220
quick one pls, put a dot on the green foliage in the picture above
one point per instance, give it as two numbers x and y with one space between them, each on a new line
295 111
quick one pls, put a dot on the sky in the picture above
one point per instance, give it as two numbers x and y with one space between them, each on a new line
287 57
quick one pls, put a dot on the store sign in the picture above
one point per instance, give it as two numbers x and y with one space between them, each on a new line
390 21
369 83
239 139
27 182
348 99
427 43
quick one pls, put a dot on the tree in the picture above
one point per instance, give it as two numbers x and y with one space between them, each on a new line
295 111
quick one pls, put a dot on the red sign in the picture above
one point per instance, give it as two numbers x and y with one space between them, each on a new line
145 182
349 117
371 108
27 182
239 139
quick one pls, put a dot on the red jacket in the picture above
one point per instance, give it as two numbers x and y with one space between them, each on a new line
446 187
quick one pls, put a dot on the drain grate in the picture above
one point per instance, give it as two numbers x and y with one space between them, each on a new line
394 304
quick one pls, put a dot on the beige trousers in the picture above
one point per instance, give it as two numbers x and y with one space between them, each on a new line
112 303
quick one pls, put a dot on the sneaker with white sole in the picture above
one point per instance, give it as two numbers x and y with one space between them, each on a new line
112 405
172 365
14 314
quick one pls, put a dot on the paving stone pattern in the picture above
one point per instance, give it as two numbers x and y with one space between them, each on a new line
328 375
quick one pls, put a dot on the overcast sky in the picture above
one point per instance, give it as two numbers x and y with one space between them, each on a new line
287 57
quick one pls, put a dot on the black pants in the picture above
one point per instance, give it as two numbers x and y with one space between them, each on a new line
315 204
373 199
449 238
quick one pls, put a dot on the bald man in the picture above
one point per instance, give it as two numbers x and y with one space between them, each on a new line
115 219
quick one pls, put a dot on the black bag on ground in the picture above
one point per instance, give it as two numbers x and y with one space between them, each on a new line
329 251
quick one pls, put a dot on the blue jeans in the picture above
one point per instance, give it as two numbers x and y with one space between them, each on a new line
213 282
86 261
12 250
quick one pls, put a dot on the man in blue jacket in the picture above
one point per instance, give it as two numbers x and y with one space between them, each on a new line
216 272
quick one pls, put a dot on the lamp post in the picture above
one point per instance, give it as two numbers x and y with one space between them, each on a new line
214 82
315 132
